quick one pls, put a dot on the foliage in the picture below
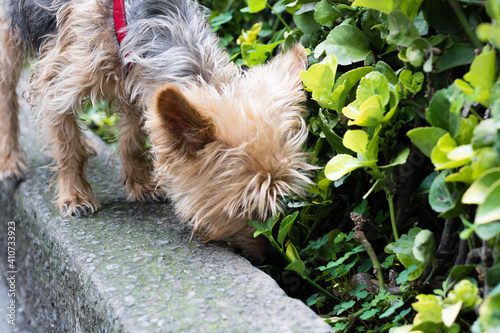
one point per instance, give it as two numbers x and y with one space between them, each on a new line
101 122
401 230
404 122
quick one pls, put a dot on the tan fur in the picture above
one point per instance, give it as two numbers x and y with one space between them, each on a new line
225 150
232 155
12 163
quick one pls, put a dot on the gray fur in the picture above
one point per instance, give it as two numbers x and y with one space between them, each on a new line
33 20
161 31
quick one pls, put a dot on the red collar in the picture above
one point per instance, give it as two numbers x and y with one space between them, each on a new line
120 20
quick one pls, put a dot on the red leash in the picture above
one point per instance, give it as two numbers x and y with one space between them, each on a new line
120 20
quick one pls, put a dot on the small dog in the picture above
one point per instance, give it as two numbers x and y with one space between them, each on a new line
226 144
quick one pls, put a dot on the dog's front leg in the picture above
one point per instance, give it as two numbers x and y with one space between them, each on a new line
74 194
137 166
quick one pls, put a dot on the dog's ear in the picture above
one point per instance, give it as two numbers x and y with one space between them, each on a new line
280 77
293 59
287 66
180 122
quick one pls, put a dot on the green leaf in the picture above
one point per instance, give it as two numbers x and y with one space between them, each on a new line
372 151
340 165
441 16
476 193
256 5
440 154
373 83
369 113
388 72
464 175
344 84
480 78
291 252
489 210
401 28
333 139
392 309
411 82
306 23
384 6
393 104
403 248
450 313
399 159
259 226
348 44
425 138
488 231
285 226
409 7
489 32
440 113
320 77
429 307
489 313
325 14
493 9
466 293
460 272
485 134
424 247
297 266
463 152
440 197
458 55
356 140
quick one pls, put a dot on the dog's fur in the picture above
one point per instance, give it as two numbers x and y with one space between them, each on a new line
226 144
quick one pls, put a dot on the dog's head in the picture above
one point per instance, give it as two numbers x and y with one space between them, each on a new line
232 153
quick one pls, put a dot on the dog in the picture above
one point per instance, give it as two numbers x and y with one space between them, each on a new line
226 143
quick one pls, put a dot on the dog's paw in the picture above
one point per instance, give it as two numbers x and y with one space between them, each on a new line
77 206
146 193
13 168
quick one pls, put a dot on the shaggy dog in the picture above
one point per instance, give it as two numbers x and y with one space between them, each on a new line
226 144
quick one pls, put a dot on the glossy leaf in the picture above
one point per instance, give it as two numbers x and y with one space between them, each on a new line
285 226
341 165
476 193
426 138
348 44
373 83
440 197
356 140
320 77
403 248
439 155
370 112
489 210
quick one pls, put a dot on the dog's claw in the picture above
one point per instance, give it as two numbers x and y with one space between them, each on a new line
84 211
77 213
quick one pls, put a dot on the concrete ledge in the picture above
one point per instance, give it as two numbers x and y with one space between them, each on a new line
131 267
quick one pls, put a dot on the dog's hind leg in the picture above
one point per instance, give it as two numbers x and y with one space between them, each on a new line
12 164
137 167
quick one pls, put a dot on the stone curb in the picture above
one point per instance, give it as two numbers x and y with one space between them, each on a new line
132 267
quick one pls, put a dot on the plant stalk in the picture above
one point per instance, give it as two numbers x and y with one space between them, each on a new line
390 201
361 238
279 17
465 24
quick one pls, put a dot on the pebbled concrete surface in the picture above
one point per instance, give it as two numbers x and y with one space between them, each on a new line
132 267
